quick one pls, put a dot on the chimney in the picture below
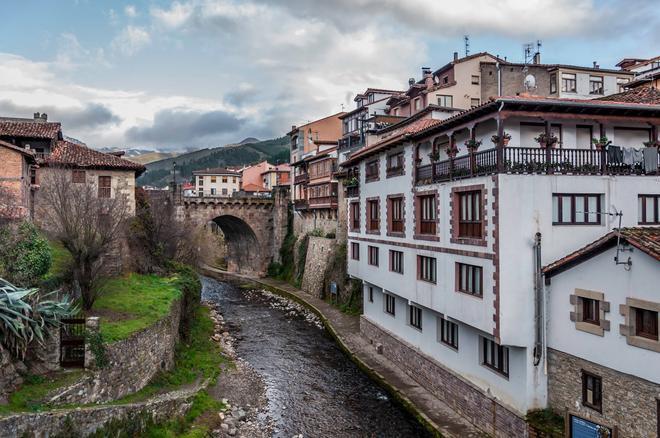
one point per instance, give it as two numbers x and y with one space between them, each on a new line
411 82
537 58
293 127
596 64
37 117
455 56
44 117
428 77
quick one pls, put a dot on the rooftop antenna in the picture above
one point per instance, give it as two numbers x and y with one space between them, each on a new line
528 52
619 248
466 40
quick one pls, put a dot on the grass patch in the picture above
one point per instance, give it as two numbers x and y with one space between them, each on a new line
546 421
188 427
61 260
28 398
136 301
199 358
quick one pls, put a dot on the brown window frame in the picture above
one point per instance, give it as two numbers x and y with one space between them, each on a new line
593 79
469 227
566 81
372 170
642 216
105 191
396 211
590 310
415 316
448 333
398 167
596 390
474 275
498 359
389 304
428 226
642 323
553 83
355 216
78 176
573 196
373 223
372 255
355 251
433 269
396 265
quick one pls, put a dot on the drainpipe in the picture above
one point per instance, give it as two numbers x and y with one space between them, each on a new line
538 301
499 78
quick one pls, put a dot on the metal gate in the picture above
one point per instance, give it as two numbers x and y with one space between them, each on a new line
72 342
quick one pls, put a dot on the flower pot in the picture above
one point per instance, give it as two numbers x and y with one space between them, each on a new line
506 141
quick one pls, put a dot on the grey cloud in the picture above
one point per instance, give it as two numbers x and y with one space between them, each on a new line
91 115
185 127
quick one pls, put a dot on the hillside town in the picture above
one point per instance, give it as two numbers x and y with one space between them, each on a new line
480 245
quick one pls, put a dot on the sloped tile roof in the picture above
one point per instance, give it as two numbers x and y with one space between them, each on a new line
66 153
254 188
27 152
646 239
20 128
647 95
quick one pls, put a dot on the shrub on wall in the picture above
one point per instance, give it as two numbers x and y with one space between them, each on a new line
191 288
25 257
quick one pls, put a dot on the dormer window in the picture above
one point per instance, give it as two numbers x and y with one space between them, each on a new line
371 97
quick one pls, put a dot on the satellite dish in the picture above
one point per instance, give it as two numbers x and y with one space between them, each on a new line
530 82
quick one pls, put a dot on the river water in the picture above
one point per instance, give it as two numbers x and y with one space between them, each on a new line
313 389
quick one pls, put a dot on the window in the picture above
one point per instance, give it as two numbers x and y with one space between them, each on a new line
373 216
213 191
418 104
426 210
576 209
648 209
469 218
390 304
495 357
448 333
621 83
646 323
396 261
355 216
596 85
469 279
78 176
200 192
445 79
426 269
396 111
415 316
373 255
446 101
233 179
200 180
592 395
474 102
370 98
105 190
371 294
553 83
396 215
371 171
475 79
225 179
590 311
213 179
568 82
355 251
395 164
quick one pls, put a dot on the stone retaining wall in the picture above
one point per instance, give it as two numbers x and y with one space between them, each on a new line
85 421
629 403
481 410
133 362
319 252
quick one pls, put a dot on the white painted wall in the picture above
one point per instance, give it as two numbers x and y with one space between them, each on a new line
600 274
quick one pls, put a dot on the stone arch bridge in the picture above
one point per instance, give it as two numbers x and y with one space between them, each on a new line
254 227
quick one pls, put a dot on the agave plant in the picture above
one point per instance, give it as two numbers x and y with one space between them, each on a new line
26 315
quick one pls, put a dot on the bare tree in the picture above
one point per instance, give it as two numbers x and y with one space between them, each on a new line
88 225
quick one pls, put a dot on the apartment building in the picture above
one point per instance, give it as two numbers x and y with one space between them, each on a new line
17 181
219 181
646 71
279 175
602 331
36 134
443 233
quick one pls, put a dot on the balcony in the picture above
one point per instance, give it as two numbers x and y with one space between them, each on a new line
323 202
524 160
300 204
301 179
353 191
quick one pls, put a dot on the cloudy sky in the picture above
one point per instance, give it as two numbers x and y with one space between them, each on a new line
196 73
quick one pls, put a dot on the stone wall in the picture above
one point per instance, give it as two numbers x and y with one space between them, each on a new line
629 403
85 421
306 221
133 362
9 378
483 411
319 251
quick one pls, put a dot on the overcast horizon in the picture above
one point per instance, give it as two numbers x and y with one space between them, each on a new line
202 73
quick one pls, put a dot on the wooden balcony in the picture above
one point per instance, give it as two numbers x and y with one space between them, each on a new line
301 179
323 202
352 191
300 204
524 160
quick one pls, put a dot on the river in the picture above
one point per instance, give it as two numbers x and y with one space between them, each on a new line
312 388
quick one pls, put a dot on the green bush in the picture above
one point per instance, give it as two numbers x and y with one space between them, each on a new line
190 286
330 235
25 257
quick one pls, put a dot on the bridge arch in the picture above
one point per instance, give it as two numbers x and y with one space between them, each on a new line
244 251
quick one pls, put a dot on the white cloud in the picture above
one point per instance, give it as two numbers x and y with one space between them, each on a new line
131 40
130 11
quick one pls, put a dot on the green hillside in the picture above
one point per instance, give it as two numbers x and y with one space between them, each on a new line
159 173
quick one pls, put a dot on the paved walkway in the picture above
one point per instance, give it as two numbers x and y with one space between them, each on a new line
346 329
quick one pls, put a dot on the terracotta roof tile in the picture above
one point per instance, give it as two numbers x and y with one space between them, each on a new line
19 128
646 239
27 152
254 188
66 153
646 95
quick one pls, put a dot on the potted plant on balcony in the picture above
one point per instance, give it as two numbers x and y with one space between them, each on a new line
601 143
652 144
546 140
352 182
506 137
434 155
472 144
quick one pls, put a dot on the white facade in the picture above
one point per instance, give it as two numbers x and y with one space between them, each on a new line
516 207
220 184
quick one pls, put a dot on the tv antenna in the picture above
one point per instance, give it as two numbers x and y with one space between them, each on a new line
619 247
466 41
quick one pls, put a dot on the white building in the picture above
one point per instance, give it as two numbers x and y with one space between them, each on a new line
220 181
446 250
603 306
